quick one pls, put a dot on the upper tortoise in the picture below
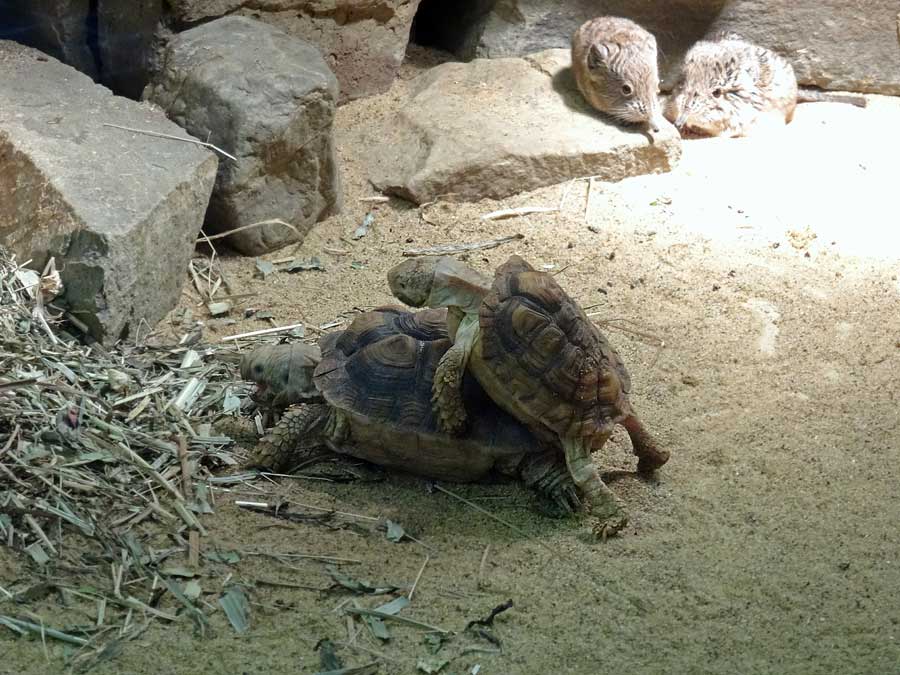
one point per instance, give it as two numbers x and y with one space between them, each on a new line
539 357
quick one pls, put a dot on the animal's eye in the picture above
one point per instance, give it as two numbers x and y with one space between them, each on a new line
627 90
717 92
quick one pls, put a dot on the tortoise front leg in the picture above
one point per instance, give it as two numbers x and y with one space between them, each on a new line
298 433
609 515
649 456
446 396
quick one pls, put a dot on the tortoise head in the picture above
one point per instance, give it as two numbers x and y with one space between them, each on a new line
282 373
437 282
411 281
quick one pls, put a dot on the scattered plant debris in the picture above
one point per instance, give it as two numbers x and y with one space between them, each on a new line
363 228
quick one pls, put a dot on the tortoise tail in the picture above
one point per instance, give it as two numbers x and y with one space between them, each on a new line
650 457
293 439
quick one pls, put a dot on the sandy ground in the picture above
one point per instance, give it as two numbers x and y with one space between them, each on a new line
768 544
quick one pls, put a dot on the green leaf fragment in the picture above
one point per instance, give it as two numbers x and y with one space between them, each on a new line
178 571
432 665
434 641
357 586
192 590
237 609
227 557
263 268
395 531
394 606
37 553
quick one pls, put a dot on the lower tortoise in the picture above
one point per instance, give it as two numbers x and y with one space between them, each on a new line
374 383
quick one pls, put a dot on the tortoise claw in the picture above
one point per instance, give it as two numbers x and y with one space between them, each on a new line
609 518
609 526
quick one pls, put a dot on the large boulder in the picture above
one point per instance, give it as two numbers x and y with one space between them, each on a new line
269 99
364 41
119 211
61 28
495 127
502 28
852 45
126 37
836 44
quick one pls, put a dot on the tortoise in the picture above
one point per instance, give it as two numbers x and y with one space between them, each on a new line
373 385
539 357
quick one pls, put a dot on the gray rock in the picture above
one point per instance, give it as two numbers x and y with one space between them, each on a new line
495 127
520 27
58 28
833 44
269 99
364 41
120 211
126 32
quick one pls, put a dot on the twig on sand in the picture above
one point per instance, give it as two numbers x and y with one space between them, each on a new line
587 204
418 576
270 221
263 331
490 515
145 132
453 249
362 611
484 556
519 211
27 626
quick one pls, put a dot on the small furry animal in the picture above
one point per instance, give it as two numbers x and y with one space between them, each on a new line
615 66
729 86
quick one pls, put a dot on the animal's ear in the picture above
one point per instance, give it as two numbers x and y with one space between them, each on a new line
600 53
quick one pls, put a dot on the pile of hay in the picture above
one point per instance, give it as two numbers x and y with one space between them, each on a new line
104 458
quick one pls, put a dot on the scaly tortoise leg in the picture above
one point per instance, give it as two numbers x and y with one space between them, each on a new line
549 477
650 457
609 515
446 398
299 431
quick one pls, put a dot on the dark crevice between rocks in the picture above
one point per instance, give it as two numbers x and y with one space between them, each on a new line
92 35
451 26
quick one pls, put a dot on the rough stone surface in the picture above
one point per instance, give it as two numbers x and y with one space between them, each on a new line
59 28
120 211
364 41
519 27
851 45
125 38
267 98
495 127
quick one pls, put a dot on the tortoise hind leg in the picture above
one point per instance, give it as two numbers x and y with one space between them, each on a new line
447 398
300 431
650 457
549 477
610 516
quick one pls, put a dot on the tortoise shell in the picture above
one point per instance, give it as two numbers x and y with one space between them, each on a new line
379 373
561 370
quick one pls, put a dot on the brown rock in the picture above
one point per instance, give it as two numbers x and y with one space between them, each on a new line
363 41
119 211
851 45
519 27
269 99
495 127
